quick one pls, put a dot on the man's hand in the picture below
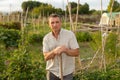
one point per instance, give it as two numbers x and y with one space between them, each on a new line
60 49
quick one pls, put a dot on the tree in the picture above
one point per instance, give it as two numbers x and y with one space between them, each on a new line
43 10
84 9
115 7
73 6
30 5
38 8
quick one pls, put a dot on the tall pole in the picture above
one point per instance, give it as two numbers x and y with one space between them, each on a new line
103 44
77 14
61 68
69 9
111 13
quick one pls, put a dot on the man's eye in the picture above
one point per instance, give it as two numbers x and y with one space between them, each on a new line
52 22
57 21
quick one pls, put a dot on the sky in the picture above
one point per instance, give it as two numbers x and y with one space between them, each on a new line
15 5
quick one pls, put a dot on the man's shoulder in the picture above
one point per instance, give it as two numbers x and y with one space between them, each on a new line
47 35
67 31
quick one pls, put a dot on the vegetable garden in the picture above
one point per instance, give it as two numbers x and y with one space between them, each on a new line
21 55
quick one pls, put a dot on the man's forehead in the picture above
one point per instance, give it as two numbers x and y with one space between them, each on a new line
54 19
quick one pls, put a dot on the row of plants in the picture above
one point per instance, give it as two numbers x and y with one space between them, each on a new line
111 53
10 37
98 75
20 63
11 25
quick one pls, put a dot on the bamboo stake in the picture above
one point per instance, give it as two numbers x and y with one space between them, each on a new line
79 61
21 18
61 67
103 45
118 34
26 16
77 14
71 22
93 58
111 13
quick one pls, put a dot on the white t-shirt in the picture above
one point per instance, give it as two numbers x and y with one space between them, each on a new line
66 38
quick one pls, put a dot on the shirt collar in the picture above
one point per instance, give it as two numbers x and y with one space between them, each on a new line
58 34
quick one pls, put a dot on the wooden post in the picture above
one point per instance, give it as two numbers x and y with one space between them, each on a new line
61 67
77 13
103 64
69 9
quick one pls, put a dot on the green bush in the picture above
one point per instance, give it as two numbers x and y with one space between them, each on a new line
11 25
10 37
22 67
83 36
2 65
35 38
111 44
98 75
96 40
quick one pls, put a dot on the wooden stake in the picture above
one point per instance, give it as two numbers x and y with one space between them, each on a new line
61 67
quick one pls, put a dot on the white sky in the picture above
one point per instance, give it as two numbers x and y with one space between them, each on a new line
15 5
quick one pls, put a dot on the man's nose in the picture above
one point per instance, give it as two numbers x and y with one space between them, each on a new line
54 24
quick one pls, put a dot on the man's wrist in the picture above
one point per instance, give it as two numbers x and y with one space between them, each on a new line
53 54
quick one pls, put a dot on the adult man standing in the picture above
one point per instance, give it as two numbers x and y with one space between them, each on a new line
59 42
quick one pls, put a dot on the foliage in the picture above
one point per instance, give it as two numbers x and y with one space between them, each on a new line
39 8
83 36
96 40
2 64
98 75
11 25
112 48
111 43
30 5
22 67
35 38
115 8
59 11
10 37
83 9
43 10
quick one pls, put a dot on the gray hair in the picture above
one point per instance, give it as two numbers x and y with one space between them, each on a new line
54 15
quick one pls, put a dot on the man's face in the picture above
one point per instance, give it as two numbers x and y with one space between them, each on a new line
55 23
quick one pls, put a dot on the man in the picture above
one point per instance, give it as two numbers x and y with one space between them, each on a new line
59 42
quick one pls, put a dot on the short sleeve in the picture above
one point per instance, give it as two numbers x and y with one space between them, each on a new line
45 45
73 41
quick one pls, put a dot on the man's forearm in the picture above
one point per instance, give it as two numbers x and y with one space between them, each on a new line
72 52
49 55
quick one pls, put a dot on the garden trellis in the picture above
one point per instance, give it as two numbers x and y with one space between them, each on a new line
104 32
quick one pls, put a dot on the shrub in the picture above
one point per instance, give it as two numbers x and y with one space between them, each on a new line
2 65
22 67
96 40
35 38
10 37
11 25
98 75
111 44
83 36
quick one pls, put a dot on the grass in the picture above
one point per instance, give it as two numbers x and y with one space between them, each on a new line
85 50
